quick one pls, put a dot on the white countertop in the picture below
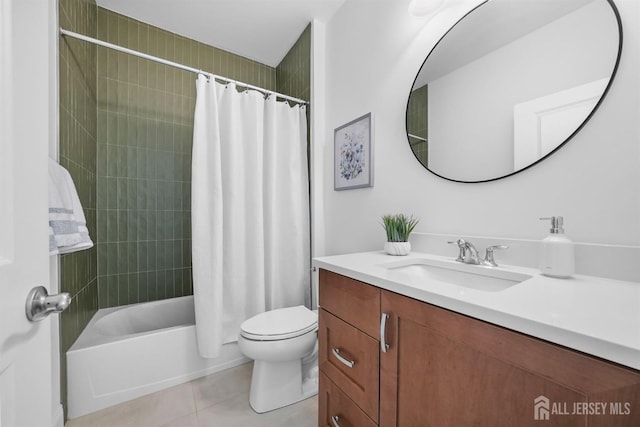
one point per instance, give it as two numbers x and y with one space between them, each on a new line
594 315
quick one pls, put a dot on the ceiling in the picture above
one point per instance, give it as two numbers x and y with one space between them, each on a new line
262 30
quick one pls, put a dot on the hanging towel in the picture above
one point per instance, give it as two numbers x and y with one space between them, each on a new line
67 224
53 247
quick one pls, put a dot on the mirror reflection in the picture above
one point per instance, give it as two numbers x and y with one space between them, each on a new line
509 84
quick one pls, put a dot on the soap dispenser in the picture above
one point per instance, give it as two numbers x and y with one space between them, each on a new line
556 254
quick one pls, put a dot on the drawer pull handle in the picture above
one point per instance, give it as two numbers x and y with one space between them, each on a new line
383 328
336 353
335 420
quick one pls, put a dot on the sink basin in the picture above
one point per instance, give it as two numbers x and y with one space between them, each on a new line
469 276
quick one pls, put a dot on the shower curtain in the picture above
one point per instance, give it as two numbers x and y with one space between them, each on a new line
249 209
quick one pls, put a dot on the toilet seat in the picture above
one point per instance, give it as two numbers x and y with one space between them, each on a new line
280 324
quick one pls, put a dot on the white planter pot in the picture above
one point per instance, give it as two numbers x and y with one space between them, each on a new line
397 248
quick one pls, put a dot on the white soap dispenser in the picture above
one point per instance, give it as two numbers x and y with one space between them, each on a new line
556 254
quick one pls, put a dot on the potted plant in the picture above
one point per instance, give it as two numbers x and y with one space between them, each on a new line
398 227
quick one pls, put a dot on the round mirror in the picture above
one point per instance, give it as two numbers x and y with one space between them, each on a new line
510 83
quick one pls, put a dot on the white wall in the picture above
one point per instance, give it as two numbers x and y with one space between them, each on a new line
373 52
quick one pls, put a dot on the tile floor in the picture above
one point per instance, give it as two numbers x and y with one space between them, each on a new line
220 400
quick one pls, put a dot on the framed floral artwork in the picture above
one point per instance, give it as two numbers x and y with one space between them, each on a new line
353 154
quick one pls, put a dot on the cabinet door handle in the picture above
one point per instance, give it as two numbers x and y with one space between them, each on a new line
383 328
334 421
336 353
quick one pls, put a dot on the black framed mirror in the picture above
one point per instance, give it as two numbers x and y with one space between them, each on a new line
509 84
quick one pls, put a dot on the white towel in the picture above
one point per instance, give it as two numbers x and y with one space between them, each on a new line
53 247
85 241
67 224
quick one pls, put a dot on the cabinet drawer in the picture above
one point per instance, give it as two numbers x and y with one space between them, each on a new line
350 358
333 403
354 302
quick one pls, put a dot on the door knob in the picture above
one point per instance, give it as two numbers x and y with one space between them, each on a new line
40 304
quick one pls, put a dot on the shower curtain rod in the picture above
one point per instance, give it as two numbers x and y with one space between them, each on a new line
175 64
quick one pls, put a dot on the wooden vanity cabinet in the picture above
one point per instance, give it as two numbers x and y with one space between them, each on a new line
446 369
472 373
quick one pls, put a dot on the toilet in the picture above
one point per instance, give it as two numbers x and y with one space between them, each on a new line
283 345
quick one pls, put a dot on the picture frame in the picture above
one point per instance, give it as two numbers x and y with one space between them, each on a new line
353 154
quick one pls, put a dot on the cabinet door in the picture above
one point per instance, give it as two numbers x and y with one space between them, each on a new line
444 369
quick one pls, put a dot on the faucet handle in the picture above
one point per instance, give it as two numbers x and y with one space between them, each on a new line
488 256
461 246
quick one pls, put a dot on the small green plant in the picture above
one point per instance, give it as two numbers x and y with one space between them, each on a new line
398 227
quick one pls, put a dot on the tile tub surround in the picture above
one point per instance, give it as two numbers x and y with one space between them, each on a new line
594 315
77 153
220 399
293 74
78 135
145 127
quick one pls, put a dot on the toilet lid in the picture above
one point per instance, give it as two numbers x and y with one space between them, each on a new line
280 324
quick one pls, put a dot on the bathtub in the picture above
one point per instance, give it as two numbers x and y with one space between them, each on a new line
129 351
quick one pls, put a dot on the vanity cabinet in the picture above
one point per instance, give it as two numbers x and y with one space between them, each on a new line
446 369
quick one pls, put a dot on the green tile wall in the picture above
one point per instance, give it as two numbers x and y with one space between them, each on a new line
78 132
417 119
293 74
145 126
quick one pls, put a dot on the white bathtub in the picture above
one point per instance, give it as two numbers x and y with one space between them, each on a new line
129 351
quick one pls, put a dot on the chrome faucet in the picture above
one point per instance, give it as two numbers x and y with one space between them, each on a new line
488 256
469 254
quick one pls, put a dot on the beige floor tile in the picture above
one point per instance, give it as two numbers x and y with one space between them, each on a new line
147 411
122 417
236 412
190 420
169 404
233 412
301 414
218 387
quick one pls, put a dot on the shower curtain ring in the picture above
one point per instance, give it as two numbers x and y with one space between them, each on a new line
205 74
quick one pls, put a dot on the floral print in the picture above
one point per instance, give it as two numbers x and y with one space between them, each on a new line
352 157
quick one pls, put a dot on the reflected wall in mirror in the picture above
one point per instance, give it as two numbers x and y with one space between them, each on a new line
510 83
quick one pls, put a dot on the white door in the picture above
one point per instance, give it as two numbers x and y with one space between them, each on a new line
26 127
541 124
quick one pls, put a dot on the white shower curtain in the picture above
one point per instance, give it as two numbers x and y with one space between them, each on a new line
249 209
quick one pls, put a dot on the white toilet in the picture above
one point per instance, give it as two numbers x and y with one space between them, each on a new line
283 345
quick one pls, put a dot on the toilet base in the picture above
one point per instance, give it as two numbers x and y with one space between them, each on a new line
278 384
